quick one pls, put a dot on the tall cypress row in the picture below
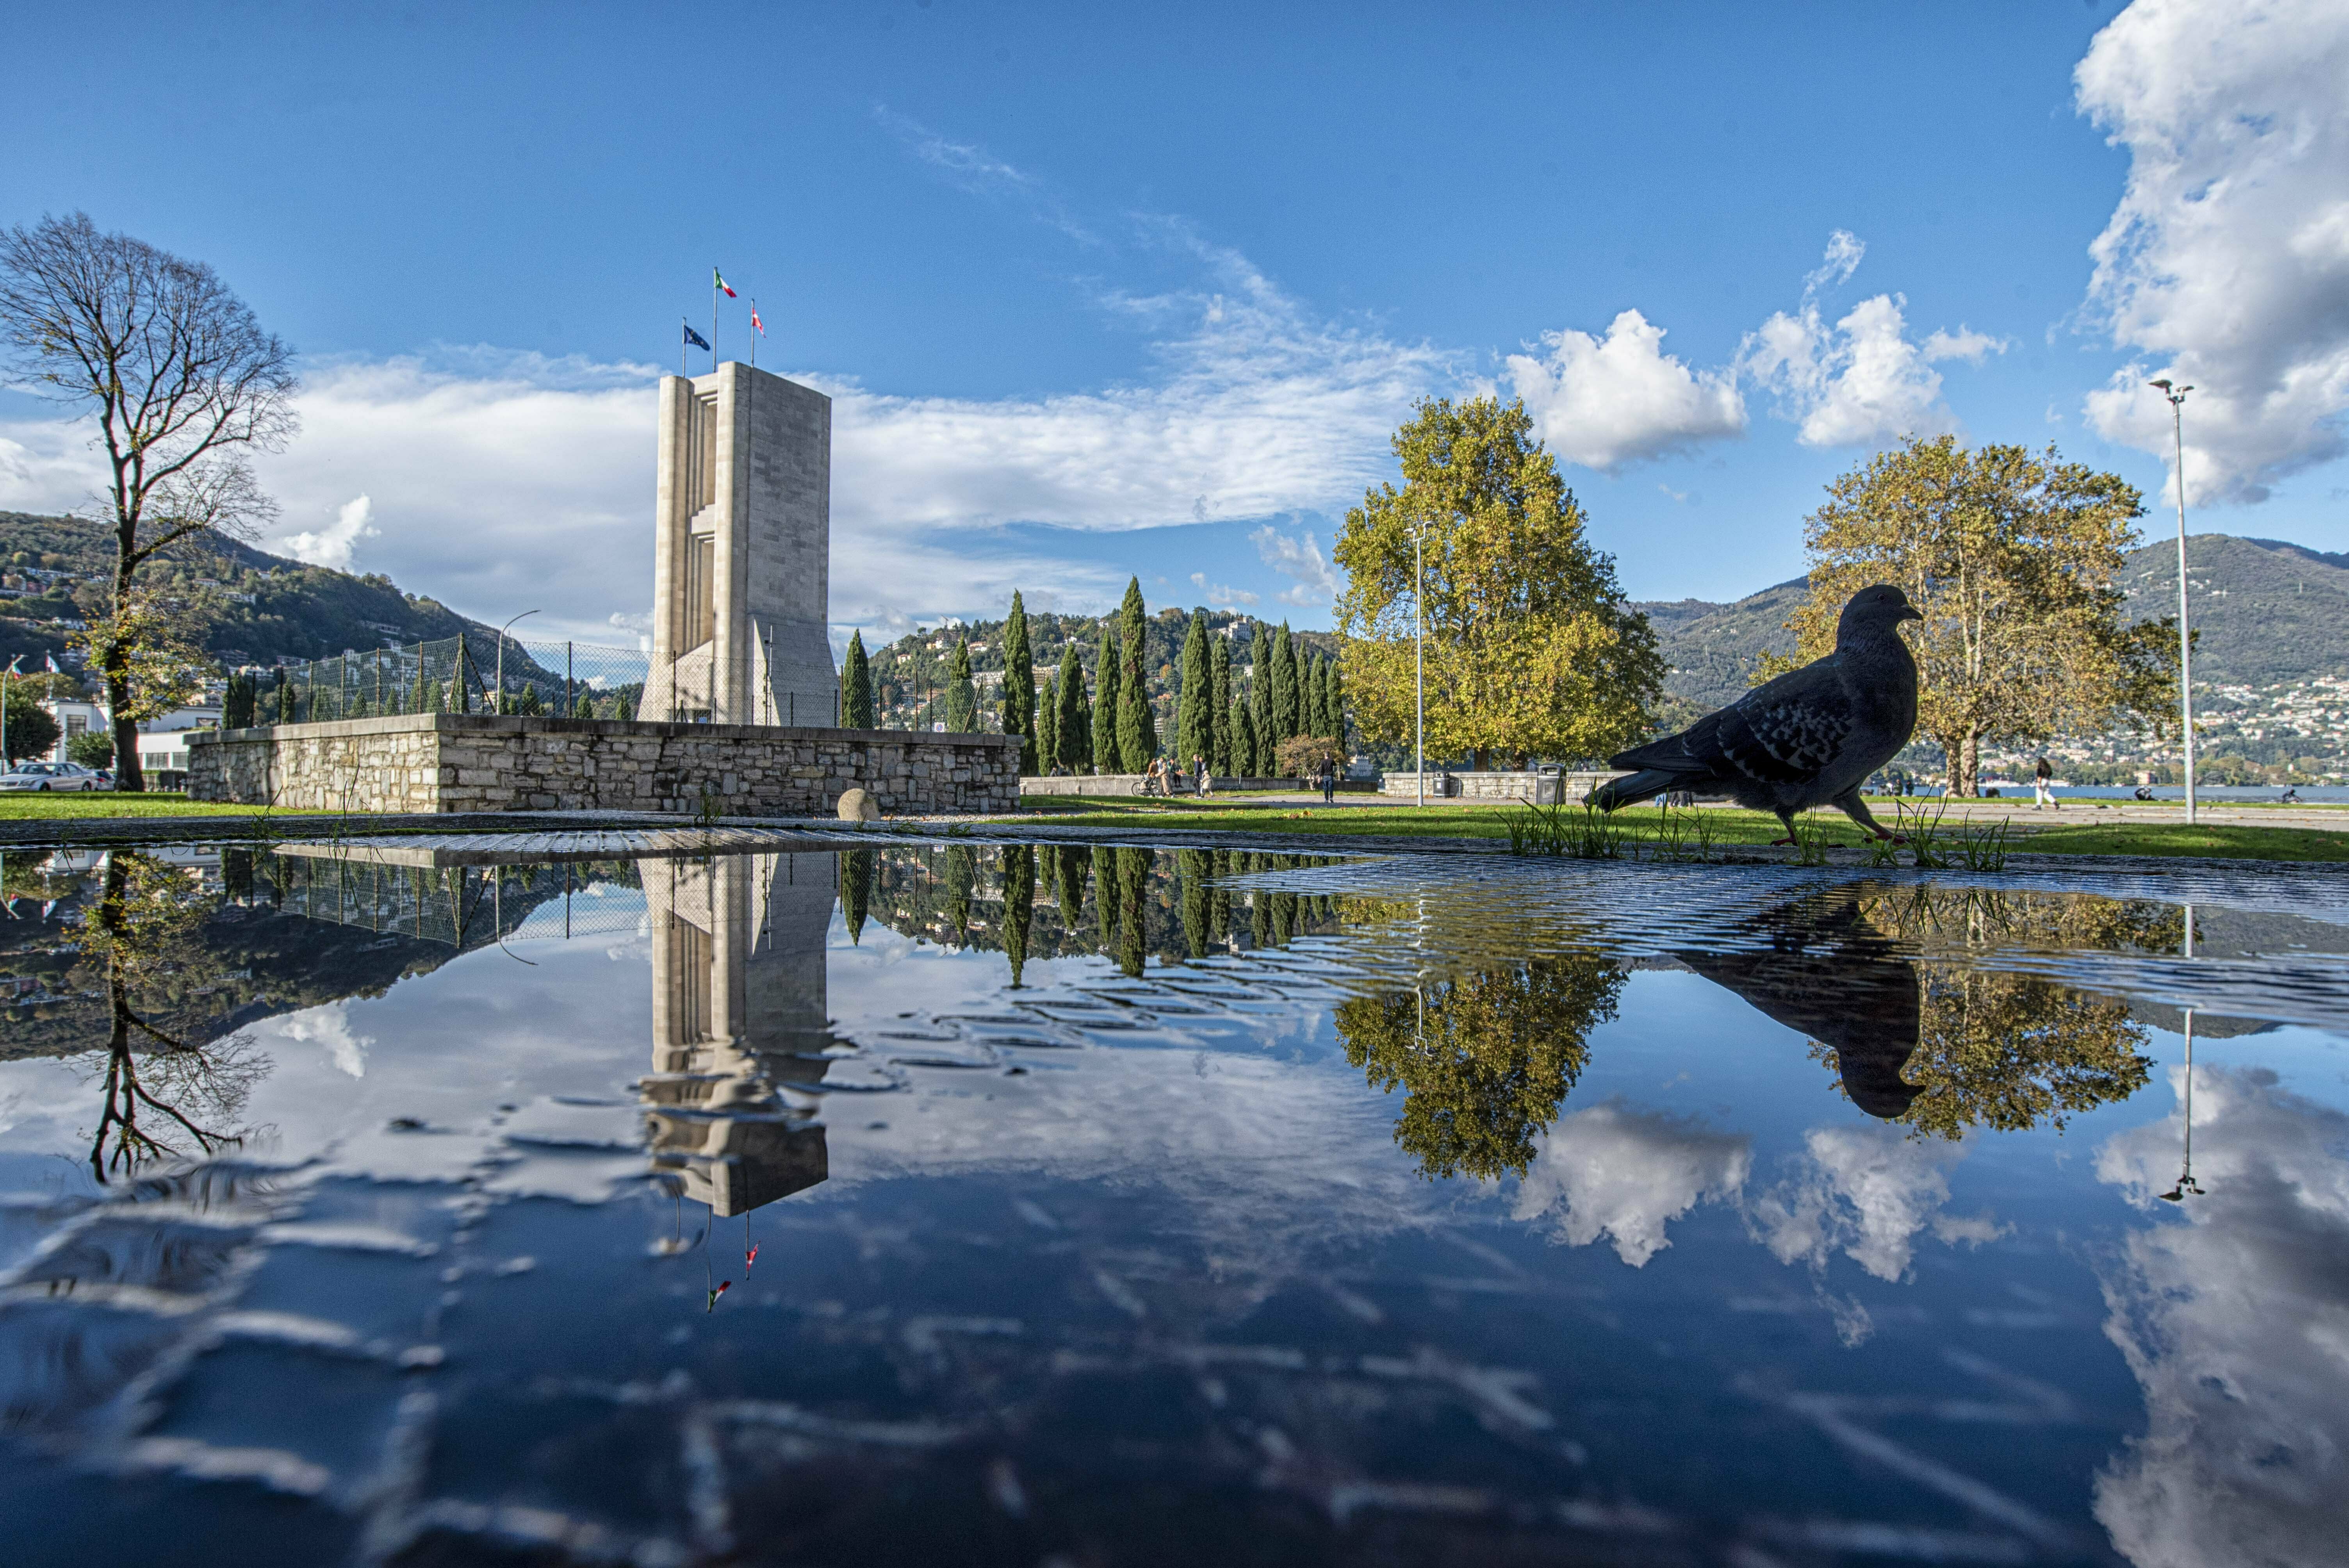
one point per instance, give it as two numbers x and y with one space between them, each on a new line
1260 724
1076 714
856 685
1194 730
1219 759
1109 667
1020 683
1337 706
962 696
1284 685
1242 743
1048 723
1137 723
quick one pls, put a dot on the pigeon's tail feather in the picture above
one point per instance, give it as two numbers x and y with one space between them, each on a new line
1617 794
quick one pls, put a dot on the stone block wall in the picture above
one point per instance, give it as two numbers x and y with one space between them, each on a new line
1460 784
484 762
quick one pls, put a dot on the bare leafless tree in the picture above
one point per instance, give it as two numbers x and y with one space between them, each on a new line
183 385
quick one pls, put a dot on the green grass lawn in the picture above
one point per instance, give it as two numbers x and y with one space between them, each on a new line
84 807
1644 824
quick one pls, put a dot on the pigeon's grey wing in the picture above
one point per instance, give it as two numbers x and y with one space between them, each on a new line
1792 728
1696 748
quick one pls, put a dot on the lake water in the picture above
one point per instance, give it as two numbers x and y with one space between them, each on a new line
1092 1206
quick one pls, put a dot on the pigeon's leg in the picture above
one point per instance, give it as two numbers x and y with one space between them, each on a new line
1852 806
1788 817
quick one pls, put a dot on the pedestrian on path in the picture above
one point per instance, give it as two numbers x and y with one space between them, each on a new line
1199 771
2041 795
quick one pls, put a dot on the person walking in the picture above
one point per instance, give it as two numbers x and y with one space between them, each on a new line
1328 782
1199 773
2041 796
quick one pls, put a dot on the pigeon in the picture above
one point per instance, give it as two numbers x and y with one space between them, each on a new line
1810 737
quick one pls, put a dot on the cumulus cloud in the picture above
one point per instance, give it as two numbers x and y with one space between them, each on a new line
1859 381
2226 262
1297 556
1222 596
2234 1317
1608 402
1616 1171
1869 1193
334 544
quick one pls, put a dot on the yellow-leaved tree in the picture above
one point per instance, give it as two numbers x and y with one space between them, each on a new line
2013 558
1531 648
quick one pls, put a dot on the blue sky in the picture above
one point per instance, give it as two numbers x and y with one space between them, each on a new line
1105 290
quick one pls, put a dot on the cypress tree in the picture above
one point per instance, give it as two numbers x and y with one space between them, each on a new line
1135 743
1220 758
1109 667
1242 743
1284 686
1020 683
962 698
1333 704
1075 730
1048 723
856 685
1194 730
1260 725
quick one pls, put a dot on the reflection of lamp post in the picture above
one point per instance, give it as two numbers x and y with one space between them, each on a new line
2187 1187
2177 398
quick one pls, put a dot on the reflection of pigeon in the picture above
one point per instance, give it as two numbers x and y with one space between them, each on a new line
1810 737
1829 975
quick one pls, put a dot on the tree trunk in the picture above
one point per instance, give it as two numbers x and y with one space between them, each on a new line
128 778
1973 763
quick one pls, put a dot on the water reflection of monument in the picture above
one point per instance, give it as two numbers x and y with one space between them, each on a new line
739 1017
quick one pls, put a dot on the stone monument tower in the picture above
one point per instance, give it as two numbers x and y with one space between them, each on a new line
741 552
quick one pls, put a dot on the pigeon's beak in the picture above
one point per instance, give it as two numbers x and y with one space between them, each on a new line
1910 613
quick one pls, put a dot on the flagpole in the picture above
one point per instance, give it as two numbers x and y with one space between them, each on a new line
680 354
713 321
754 332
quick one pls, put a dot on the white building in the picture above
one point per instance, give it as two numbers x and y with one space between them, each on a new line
162 742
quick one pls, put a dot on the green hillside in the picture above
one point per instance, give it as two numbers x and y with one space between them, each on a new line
912 671
253 607
2268 613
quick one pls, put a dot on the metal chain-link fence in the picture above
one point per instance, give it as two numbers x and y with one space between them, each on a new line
451 675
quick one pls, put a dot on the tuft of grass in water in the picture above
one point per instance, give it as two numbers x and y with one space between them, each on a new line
1924 834
1882 854
1984 846
1810 845
1551 830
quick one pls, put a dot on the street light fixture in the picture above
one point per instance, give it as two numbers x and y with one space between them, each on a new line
2177 398
500 706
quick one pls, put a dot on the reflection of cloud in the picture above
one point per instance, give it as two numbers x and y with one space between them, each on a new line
1621 1172
330 1026
2236 1323
1867 1191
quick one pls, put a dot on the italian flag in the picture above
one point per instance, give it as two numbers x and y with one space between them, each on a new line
720 279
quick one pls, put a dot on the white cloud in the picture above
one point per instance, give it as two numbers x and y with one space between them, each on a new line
1615 1171
1861 381
334 544
1222 596
2235 1319
1607 402
1868 1192
1299 556
2227 260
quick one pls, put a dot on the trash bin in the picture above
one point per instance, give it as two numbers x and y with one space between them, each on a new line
1549 786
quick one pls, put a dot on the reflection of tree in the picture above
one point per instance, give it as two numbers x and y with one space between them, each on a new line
1019 904
1069 866
962 876
1133 876
1484 1059
2012 1051
141 927
1196 867
855 891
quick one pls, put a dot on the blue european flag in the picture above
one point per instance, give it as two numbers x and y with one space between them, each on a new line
694 338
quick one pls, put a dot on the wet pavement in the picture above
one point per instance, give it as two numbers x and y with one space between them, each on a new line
1079 1204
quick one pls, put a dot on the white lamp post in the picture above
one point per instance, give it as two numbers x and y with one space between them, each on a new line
1419 654
501 705
2176 397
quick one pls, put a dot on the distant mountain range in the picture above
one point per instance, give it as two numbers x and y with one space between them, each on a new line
252 607
2269 613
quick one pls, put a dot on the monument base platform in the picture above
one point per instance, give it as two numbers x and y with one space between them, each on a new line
433 762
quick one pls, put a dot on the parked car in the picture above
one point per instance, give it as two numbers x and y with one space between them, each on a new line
46 775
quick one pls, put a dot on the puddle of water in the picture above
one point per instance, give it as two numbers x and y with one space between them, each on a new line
1019 1204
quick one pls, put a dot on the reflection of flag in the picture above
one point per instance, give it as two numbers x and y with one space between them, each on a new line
51 660
694 338
719 279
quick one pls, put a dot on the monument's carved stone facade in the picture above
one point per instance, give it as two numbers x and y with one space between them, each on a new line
482 762
741 552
